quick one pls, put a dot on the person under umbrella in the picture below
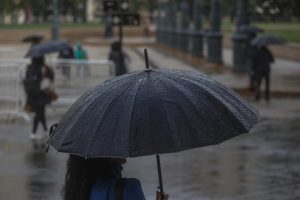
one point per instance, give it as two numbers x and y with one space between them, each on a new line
100 178
261 67
251 32
151 112
261 62
37 97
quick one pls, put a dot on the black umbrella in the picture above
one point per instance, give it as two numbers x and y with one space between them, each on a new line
267 39
45 48
33 38
152 112
250 29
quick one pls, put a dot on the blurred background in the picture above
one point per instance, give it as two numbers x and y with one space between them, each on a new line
220 38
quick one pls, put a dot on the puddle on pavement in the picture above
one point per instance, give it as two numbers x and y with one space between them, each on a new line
261 165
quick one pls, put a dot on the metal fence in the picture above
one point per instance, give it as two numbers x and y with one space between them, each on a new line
72 78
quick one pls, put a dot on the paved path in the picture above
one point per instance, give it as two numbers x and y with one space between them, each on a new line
263 165
285 75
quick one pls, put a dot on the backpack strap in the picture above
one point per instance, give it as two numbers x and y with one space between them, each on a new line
120 185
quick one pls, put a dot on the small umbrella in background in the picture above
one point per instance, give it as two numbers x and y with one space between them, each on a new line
151 112
249 29
268 39
46 48
34 38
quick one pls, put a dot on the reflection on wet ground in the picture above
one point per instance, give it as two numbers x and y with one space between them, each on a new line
263 165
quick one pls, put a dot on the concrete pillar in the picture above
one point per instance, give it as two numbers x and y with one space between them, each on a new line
240 40
214 36
197 34
184 27
173 25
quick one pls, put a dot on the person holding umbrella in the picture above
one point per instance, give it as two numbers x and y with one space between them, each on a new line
100 178
37 97
251 32
261 62
261 68
147 112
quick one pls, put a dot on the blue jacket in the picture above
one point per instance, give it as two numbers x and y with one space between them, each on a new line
105 189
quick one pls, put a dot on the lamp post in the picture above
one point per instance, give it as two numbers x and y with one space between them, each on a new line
197 34
55 20
214 36
240 40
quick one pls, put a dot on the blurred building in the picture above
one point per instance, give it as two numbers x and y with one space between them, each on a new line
81 11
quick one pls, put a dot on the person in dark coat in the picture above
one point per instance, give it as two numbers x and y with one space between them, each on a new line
66 54
261 67
117 56
100 178
37 99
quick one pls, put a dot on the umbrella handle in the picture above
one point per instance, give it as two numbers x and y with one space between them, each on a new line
160 187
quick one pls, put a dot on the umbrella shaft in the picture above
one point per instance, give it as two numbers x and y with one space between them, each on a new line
161 188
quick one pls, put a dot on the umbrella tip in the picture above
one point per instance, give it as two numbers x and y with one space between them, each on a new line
146 58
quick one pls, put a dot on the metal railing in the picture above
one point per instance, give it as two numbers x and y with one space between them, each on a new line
72 78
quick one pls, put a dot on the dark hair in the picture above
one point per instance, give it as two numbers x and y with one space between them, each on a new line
82 173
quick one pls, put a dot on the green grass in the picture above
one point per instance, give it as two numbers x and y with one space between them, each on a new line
47 25
289 31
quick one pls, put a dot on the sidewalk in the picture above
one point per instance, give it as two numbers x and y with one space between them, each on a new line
285 75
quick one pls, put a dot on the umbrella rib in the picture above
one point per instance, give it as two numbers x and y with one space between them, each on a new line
209 135
250 110
131 114
78 106
169 127
239 100
104 117
211 111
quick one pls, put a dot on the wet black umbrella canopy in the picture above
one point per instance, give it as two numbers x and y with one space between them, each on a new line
151 112
46 48
268 39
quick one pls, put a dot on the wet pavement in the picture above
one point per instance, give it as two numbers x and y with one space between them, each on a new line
262 165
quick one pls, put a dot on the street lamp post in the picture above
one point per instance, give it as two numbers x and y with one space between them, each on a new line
240 40
197 34
55 20
214 36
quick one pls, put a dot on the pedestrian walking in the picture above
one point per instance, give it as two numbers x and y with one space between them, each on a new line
118 119
67 53
37 83
261 68
82 69
100 179
119 58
